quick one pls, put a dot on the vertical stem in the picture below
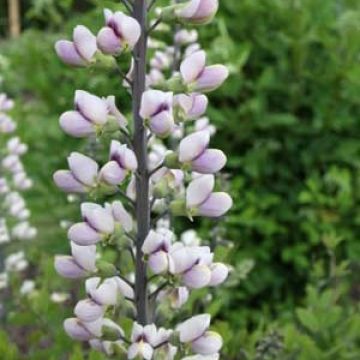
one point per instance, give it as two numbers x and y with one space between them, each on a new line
177 50
14 18
140 147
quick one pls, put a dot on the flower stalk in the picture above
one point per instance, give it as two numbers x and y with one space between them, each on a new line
143 210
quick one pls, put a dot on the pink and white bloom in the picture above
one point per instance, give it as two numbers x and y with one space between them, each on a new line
197 12
161 60
81 176
177 296
122 161
157 109
195 331
202 357
204 124
81 330
79 264
85 331
98 225
142 339
156 246
6 104
90 114
146 339
199 77
80 51
202 201
185 36
123 220
7 125
100 295
192 264
191 106
193 151
120 33
16 147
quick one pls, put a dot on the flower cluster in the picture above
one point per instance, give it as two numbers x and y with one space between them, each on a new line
160 169
14 214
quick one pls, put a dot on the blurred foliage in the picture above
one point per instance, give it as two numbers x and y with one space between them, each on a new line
288 118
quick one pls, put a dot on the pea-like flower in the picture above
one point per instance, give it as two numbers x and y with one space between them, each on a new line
98 225
177 297
197 12
157 109
7 125
195 332
122 162
202 357
81 176
192 264
191 106
16 147
156 247
199 77
80 51
193 151
100 295
204 124
90 114
120 33
142 338
184 36
79 264
202 201
6 104
85 331
145 339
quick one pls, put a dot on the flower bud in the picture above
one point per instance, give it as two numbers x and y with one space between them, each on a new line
121 32
156 107
80 51
197 12
198 277
90 115
191 106
122 160
82 175
193 328
219 273
208 344
87 310
199 77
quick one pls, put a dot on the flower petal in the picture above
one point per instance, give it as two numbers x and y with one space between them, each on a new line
85 256
67 267
193 66
198 277
88 310
66 181
91 107
85 42
83 235
209 162
194 327
216 205
211 78
67 52
208 344
74 124
199 190
193 146
83 168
